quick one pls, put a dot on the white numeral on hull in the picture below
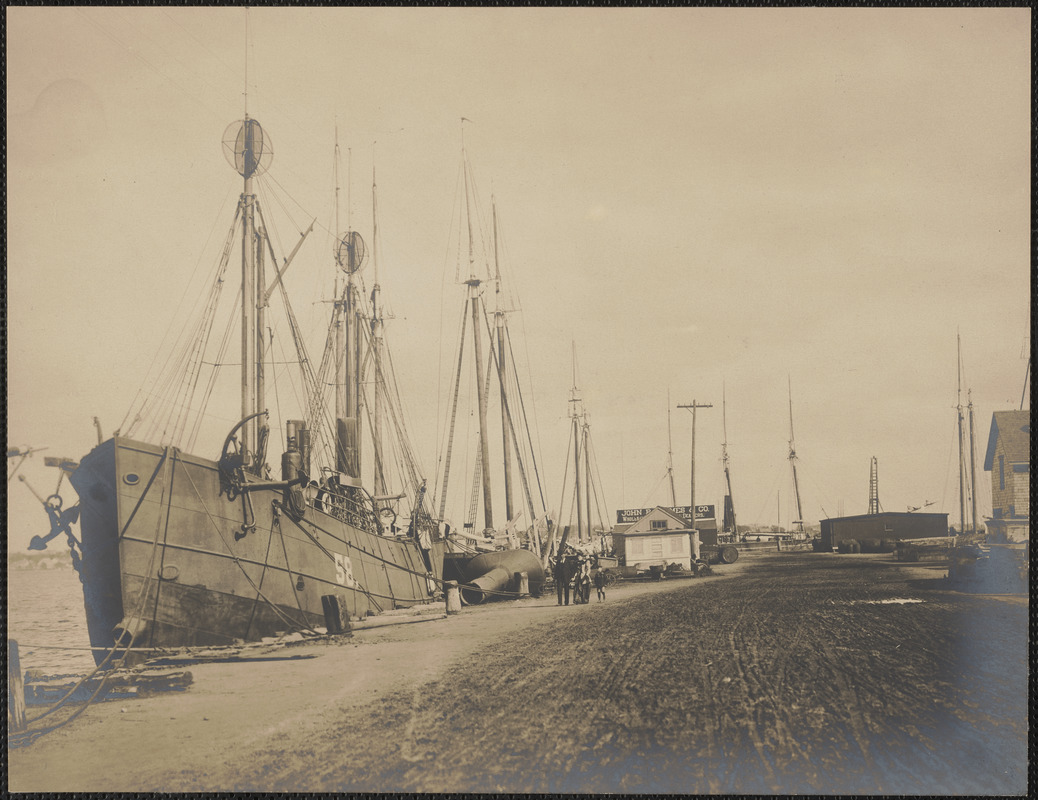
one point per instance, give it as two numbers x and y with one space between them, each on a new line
343 570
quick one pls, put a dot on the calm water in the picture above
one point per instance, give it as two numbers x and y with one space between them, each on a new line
45 609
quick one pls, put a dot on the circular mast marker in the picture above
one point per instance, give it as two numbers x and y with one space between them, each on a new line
247 147
351 252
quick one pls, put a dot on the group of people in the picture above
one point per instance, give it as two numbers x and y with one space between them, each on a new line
575 570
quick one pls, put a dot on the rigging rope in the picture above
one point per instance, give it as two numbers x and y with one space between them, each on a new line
23 738
454 413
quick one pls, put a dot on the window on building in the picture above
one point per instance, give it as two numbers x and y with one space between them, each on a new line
1002 473
677 545
888 528
658 524
634 547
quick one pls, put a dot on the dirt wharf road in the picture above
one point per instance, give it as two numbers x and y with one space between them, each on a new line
783 673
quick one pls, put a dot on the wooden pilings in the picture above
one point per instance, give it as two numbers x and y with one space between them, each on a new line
452 594
336 614
15 689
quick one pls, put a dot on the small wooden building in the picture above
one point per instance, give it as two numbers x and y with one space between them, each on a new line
890 525
659 537
1008 460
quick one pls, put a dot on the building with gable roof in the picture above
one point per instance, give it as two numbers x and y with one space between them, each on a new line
659 537
1008 460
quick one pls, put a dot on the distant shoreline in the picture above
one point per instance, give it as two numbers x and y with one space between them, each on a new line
38 561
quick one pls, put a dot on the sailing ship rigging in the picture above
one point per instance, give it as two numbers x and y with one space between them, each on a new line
967 452
670 456
179 547
798 521
729 528
587 496
524 523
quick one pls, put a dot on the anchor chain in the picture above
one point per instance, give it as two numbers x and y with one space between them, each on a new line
61 522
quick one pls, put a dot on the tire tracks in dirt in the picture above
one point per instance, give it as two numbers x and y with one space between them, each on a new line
778 681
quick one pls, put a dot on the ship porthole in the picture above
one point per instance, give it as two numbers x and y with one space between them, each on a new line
131 478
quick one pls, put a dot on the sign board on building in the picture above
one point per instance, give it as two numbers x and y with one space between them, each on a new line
628 515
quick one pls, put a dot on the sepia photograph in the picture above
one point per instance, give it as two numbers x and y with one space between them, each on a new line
584 400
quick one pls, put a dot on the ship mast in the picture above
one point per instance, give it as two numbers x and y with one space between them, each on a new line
798 523
248 289
350 254
958 409
729 504
473 283
337 314
587 476
513 414
670 456
249 151
574 399
973 463
499 322
376 334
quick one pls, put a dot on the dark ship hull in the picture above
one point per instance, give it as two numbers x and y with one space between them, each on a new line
170 558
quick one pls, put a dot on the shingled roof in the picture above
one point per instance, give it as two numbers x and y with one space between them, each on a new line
1014 428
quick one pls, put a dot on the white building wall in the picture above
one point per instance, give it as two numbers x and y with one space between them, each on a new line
669 549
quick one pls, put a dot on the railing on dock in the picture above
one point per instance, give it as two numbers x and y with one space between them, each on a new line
793 546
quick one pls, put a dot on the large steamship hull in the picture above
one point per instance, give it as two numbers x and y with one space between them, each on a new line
170 561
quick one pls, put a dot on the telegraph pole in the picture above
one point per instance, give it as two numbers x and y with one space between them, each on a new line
693 536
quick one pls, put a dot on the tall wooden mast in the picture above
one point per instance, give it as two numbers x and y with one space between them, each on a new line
973 464
340 335
962 463
587 476
350 254
248 150
670 456
473 284
575 400
728 520
499 323
798 523
376 335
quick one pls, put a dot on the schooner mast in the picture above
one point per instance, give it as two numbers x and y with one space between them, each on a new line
512 412
577 413
728 524
481 477
495 367
973 463
586 481
499 325
473 283
967 476
798 523
670 456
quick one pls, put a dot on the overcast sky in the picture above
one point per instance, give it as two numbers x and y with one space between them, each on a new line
759 198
